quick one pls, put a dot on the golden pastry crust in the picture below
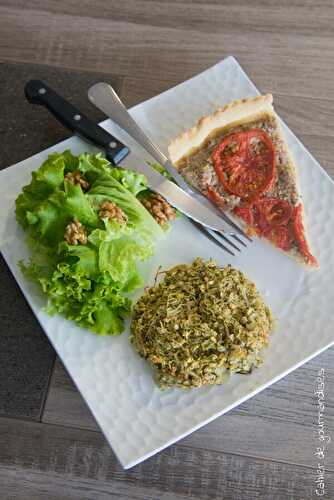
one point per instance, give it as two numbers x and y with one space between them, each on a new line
236 113
239 111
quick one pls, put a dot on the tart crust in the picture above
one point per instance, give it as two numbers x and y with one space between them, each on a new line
236 113
239 111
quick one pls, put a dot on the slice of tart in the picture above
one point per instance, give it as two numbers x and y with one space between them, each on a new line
239 159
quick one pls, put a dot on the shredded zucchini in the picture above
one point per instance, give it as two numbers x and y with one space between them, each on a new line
199 324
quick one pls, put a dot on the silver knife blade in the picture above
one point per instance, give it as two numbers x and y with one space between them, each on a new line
105 98
178 198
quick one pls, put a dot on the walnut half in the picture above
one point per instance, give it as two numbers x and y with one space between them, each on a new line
76 178
159 208
75 233
109 210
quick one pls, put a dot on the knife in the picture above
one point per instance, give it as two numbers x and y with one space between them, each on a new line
38 92
104 97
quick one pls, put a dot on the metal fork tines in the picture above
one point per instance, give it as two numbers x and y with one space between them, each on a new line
221 240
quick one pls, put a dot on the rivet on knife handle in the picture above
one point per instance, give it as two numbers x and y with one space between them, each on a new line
38 92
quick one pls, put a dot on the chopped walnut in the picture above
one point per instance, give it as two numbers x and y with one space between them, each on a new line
159 208
109 210
75 178
75 233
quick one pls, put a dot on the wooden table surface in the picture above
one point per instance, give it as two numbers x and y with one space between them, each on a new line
50 446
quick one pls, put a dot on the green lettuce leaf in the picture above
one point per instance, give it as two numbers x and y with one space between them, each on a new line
119 251
106 187
159 168
87 283
132 181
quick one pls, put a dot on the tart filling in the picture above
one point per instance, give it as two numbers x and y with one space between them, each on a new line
239 159
198 167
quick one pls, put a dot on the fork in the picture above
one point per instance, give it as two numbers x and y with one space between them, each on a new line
104 97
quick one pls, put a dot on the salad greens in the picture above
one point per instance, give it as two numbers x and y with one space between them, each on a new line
87 283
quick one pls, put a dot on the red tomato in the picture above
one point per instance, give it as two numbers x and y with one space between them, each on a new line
281 237
265 214
245 213
215 197
245 163
299 233
271 212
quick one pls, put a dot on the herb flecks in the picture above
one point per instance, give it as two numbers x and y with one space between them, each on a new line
201 323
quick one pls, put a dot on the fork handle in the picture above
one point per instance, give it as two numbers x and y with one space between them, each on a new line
104 97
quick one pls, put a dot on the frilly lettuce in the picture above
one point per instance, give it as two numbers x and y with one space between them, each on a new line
87 283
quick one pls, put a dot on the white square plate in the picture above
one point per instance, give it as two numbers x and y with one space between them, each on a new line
136 417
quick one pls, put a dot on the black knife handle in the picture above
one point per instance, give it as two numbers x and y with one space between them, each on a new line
37 92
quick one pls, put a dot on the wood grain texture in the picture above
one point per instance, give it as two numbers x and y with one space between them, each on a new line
209 16
264 449
26 129
84 460
64 405
293 62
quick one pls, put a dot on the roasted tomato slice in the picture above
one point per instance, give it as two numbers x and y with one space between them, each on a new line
215 197
271 212
265 214
245 163
245 213
281 236
299 233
